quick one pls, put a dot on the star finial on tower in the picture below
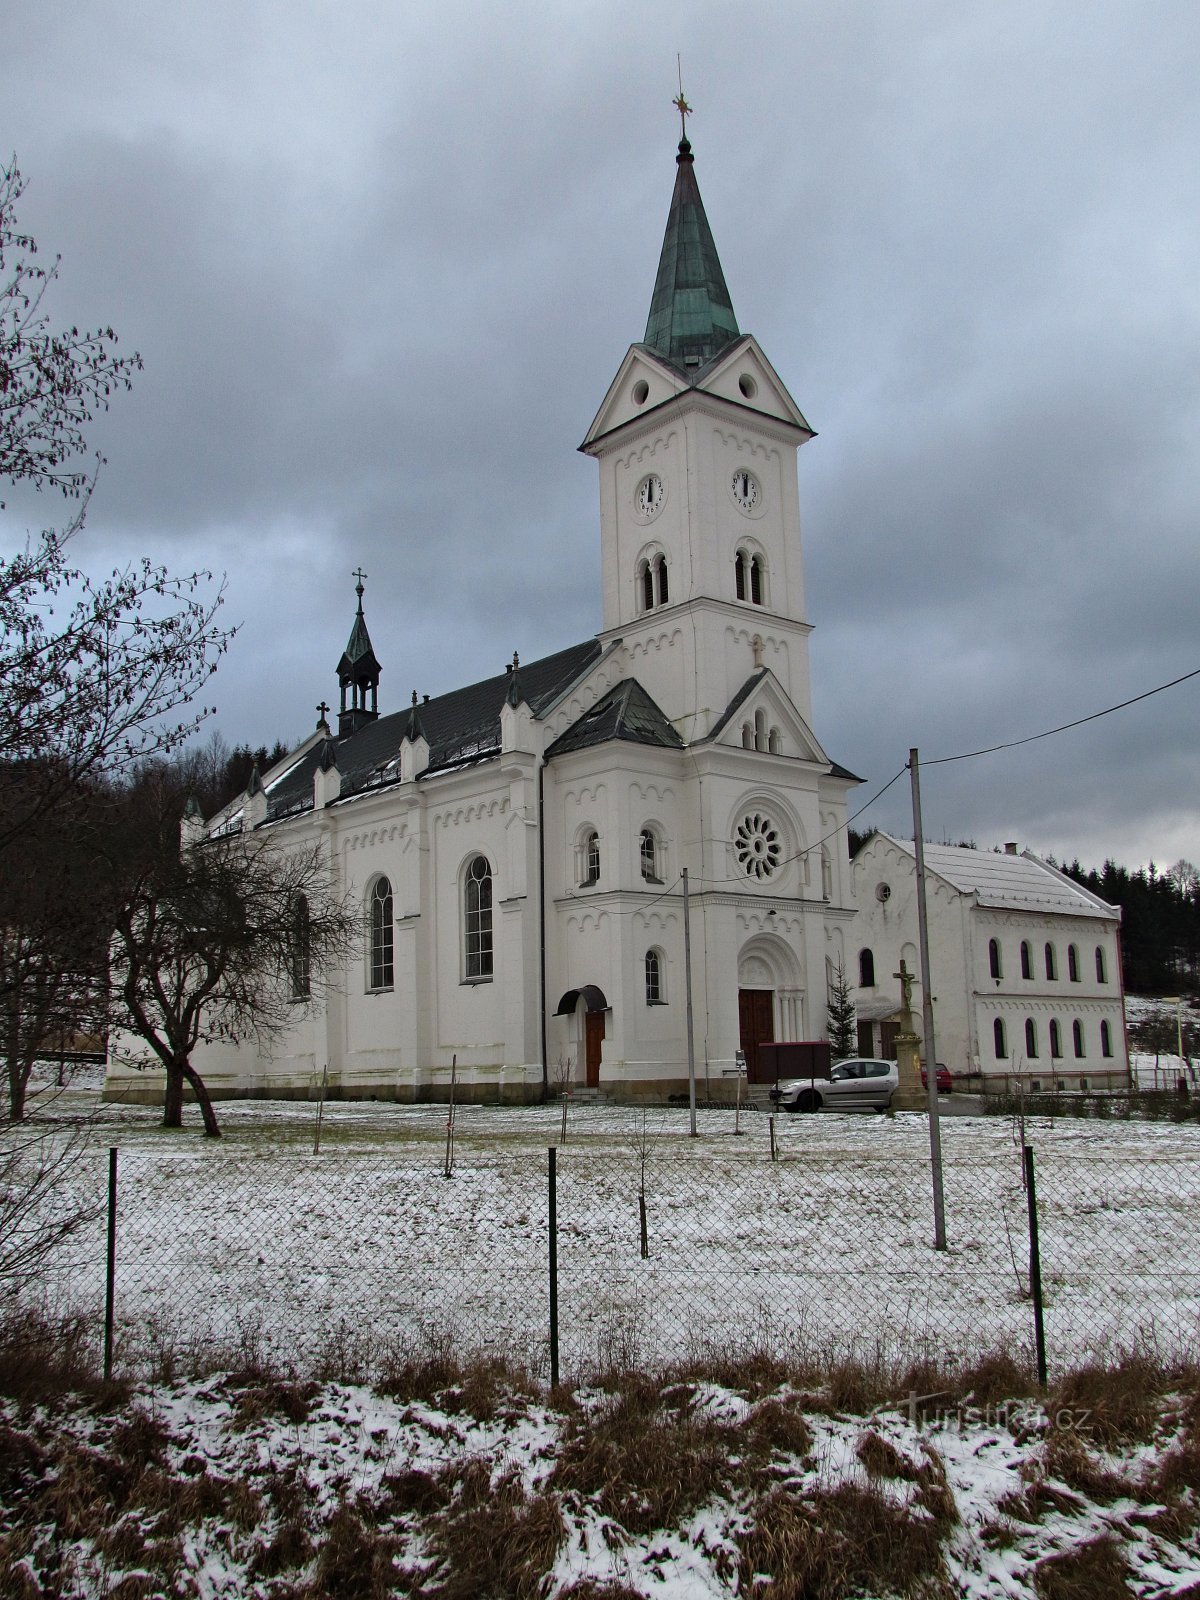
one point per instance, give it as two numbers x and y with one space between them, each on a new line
681 104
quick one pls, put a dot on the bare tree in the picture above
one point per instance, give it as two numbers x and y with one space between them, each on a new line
93 674
229 938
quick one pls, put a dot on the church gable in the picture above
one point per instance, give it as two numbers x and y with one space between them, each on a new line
744 376
762 717
643 382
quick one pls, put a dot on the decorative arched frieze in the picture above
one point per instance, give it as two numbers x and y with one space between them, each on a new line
662 640
461 816
647 451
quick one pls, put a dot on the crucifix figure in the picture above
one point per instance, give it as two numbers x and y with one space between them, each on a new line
906 985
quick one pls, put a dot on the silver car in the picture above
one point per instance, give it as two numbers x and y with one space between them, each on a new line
852 1084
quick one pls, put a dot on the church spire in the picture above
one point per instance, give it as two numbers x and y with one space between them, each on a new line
358 674
691 314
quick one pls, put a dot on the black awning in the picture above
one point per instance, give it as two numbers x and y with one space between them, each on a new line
591 996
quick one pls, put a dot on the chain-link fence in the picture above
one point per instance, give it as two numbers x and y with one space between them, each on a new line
658 1253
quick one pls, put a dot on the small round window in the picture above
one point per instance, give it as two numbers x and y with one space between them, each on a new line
757 845
748 386
641 392
883 891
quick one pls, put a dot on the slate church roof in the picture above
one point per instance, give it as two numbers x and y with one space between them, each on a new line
461 727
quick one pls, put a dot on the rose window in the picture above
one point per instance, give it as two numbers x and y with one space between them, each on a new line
756 841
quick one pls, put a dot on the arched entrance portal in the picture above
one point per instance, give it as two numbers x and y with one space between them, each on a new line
589 1006
770 1000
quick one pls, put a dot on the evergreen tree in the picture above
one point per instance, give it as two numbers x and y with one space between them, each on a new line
840 1013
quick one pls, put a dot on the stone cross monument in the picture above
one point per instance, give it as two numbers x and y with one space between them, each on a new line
910 1094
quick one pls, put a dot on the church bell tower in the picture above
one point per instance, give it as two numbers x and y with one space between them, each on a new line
696 442
358 674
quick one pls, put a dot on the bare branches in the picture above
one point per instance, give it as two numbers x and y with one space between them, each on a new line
51 383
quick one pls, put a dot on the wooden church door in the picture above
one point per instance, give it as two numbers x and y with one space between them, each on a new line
593 1039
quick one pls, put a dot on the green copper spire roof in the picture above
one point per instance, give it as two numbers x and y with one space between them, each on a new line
691 314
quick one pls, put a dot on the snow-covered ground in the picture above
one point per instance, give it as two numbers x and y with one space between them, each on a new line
340 1490
261 1244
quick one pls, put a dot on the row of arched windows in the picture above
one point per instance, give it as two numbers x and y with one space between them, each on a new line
1050 961
1000 1039
750 578
650 857
654 589
478 954
757 735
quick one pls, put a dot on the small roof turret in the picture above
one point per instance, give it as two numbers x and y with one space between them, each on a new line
358 673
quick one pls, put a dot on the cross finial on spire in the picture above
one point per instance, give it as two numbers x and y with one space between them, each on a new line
358 587
681 104
322 713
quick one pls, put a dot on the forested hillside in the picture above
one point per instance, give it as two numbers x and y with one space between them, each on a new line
1160 923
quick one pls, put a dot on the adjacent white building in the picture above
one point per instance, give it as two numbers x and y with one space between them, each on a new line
1024 962
518 845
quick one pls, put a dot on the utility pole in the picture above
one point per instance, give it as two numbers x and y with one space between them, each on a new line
687 978
935 1132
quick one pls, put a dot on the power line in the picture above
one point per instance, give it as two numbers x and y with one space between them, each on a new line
969 755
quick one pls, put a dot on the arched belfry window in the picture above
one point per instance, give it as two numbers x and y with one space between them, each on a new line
477 920
750 577
649 854
589 858
646 586
653 583
380 969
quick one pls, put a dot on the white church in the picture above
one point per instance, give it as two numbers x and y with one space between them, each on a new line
518 845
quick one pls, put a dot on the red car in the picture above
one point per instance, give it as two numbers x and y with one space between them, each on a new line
944 1081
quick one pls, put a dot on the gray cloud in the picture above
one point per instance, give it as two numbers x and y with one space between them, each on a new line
381 270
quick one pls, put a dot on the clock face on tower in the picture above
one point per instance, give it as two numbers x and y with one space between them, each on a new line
746 491
648 497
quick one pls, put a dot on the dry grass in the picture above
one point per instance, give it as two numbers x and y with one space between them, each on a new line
43 1357
1123 1402
839 1542
494 1538
484 1388
1096 1570
647 1457
1068 1460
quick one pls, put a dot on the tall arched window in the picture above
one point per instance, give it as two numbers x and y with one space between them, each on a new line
1026 959
660 579
1001 1043
648 855
379 955
300 950
1105 1039
1077 1037
589 858
994 966
760 729
1051 963
1031 1038
1055 1038
866 969
1101 974
1073 963
775 742
646 586
477 919
739 574
757 586
655 995
747 736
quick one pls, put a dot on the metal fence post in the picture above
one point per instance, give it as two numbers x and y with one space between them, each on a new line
111 1265
553 1226
1035 1264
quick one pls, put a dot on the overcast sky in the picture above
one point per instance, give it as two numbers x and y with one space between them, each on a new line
382 261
